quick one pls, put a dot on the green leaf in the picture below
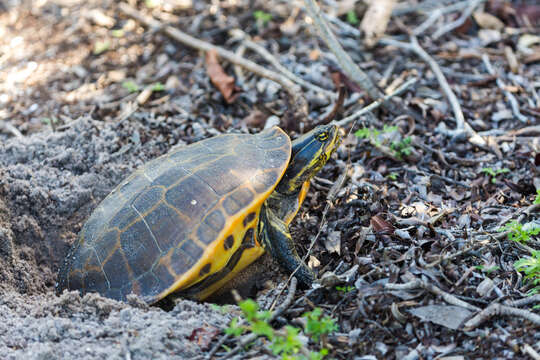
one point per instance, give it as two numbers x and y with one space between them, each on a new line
234 329
262 328
249 308
317 325
158 87
352 18
101 47
537 198
262 17
130 86
363 133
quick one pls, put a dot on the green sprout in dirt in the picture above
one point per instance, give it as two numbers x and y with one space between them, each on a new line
262 18
397 149
345 289
487 270
402 148
101 46
537 198
520 233
530 266
157 87
493 173
392 176
130 86
285 342
352 18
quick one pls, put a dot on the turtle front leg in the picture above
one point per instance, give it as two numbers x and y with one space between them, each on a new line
275 237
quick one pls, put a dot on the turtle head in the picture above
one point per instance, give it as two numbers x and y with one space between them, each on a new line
309 154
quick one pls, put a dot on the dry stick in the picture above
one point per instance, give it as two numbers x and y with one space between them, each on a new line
418 283
8 127
292 89
436 14
457 23
462 127
247 42
498 309
347 64
502 86
525 301
377 103
530 351
249 338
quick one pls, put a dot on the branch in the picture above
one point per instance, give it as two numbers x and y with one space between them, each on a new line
498 309
299 102
346 63
462 127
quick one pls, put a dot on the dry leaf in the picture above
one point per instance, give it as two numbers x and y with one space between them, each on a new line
487 21
376 19
223 82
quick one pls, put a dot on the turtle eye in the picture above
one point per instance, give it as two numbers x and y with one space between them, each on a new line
323 136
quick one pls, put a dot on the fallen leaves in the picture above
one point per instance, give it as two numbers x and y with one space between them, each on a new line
223 82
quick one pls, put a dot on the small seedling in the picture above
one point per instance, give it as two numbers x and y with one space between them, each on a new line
262 18
352 18
487 270
101 46
520 233
392 176
317 325
402 148
345 289
537 198
373 134
158 87
285 342
118 33
493 173
530 266
130 86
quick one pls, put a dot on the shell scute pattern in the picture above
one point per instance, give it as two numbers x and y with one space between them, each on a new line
166 217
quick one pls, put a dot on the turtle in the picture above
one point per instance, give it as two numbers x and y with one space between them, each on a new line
187 222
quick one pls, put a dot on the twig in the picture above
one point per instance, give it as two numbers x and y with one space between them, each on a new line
458 22
274 62
525 301
497 309
7 126
343 58
462 127
299 102
530 351
377 103
436 14
418 283
513 102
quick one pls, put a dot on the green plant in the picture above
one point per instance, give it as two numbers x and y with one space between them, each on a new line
537 198
402 148
284 342
101 47
530 266
262 18
487 270
520 233
373 134
352 18
392 176
493 173
130 86
317 325
158 87
345 289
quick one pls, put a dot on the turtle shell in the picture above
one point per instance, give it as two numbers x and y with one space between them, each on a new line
178 219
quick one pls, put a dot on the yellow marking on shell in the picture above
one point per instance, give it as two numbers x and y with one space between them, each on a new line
215 252
218 256
248 257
